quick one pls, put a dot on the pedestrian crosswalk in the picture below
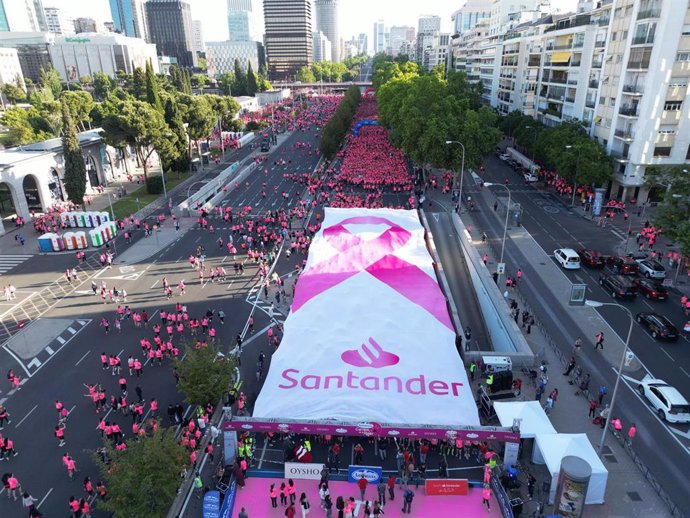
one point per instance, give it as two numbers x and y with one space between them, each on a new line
7 262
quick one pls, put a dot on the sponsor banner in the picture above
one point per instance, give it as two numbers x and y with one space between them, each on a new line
446 486
373 474
229 500
368 334
501 497
211 505
303 471
370 430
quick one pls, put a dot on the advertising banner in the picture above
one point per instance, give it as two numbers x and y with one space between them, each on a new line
373 474
446 486
368 335
303 471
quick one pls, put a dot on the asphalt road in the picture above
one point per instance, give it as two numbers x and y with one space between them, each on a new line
553 226
38 465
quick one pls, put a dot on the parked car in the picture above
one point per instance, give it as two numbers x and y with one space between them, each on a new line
658 326
619 286
591 258
567 258
666 400
530 177
624 265
651 269
650 289
504 156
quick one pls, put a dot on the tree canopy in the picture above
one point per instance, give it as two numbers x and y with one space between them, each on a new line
204 375
75 169
673 213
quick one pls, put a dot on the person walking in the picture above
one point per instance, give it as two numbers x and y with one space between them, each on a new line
328 506
304 505
243 513
362 483
569 368
531 482
592 408
292 490
391 487
599 343
408 496
381 490
632 431
486 497
13 486
601 393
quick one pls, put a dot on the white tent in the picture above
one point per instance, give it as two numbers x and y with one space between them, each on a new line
553 447
533 419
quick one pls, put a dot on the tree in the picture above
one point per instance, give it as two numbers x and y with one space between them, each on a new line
305 75
16 120
252 84
226 83
141 126
75 168
152 88
240 86
200 120
178 161
204 375
199 80
80 105
138 85
142 480
14 93
51 79
673 213
85 80
102 85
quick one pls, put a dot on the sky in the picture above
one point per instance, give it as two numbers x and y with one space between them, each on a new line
356 16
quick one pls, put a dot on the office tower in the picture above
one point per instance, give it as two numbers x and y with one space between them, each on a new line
129 17
468 15
170 28
362 43
322 47
288 37
86 25
243 21
197 36
429 24
379 37
398 36
59 22
327 23
21 16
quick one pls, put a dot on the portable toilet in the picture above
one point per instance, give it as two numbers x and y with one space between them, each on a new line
81 240
70 240
109 230
105 216
81 219
65 219
44 242
96 237
56 243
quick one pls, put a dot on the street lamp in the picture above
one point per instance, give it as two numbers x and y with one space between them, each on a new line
577 166
462 168
597 304
505 227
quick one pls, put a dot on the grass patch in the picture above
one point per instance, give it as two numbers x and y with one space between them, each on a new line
128 205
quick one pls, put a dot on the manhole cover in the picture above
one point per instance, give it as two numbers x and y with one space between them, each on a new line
634 496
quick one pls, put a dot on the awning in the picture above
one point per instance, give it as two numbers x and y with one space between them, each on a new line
561 57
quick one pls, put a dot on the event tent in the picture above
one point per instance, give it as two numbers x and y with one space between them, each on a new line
533 419
553 447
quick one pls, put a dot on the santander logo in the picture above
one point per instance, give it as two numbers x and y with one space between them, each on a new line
374 357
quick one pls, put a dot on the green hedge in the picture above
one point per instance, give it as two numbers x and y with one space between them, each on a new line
335 129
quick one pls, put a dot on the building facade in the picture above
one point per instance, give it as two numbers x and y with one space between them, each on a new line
379 37
22 16
322 47
170 28
88 53
362 44
468 15
198 36
288 37
59 22
129 17
221 56
32 51
399 35
86 25
327 23
10 68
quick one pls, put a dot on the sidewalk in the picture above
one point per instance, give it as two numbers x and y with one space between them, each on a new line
628 493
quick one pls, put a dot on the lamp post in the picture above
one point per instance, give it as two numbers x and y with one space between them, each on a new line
505 227
597 304
577 167
462 169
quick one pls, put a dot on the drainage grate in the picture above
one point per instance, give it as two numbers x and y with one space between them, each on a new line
634 496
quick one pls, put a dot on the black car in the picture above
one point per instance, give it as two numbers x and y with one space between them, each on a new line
618 286
624 265
650 289
658 326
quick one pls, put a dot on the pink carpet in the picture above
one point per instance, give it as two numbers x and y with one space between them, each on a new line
254 497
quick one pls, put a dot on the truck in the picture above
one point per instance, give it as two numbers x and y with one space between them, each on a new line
523 161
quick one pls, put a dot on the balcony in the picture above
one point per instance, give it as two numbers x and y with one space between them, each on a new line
570 99
563 47
604 20
626 135
599 44
638 65
589 103
594 83
552 112
534 63
632 89
620 156
559 80
643 40
645 14
555 97
628 111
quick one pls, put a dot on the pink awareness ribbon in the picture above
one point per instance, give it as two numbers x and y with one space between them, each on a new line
376 257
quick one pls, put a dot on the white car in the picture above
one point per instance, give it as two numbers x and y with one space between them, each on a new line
668 403
530 177
651 269
567 258
504 156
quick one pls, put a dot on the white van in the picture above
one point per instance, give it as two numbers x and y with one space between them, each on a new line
567 258
531 177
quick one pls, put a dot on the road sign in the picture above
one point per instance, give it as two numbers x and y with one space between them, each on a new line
578 293
501 268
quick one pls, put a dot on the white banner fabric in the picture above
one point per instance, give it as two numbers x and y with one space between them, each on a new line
368 336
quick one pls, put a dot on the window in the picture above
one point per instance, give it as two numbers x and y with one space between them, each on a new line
683 56
687 154
602 100
662 151
672 106
619 59
667 132
612 101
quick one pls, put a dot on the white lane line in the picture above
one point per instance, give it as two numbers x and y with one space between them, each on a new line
180 258
118 354
49 350
154 284
82 358
44 498
669 356
71 330
684 371
61 340
27 415
35 363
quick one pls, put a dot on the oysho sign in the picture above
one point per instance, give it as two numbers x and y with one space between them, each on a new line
303 471
373 474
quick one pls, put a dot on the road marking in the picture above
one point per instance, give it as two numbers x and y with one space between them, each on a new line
669 356
682 434
154 284
71 330
179 259
80 359
44 498
34 363
684 371
27 415
48 350
61 340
